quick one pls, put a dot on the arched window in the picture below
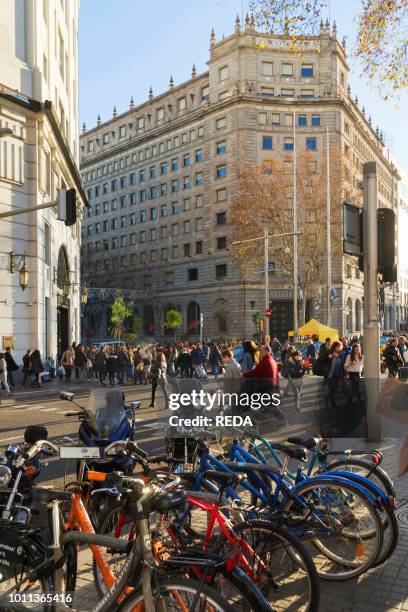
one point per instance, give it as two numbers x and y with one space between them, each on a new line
62 270
148 320
358 315
349 315
193 318
220 314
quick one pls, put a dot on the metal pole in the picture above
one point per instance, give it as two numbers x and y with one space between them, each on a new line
266 248
371 333
328 220
21 211
295 238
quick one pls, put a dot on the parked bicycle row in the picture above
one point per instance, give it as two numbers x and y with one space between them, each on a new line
244 523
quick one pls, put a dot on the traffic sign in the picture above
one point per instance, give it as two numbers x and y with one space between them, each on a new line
268 313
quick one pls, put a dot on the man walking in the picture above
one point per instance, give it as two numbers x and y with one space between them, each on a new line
11 366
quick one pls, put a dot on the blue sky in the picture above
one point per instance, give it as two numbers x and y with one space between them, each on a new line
127 45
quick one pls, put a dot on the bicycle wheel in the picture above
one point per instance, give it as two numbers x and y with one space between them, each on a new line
175 593
280 566
342 525
364 468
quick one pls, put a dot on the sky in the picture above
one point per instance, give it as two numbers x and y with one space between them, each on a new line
126 46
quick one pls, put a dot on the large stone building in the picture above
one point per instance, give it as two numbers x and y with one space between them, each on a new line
161 176
40 265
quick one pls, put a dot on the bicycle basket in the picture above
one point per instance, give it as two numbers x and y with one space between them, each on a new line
12 553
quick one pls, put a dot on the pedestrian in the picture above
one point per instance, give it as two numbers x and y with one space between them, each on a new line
335 371
138 366
184 363
215 360
100 364
3 373
206 351
147 363
232 377
325 348
354 368
11 366
36 367
276 348
266 378
171 362
296 371
90 353
311 353
403 349
392 358
198 361
111 366
68 362
81 363
248 361
122 362
26 367
158 376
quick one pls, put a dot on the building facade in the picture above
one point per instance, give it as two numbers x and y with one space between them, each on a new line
40 256
160 179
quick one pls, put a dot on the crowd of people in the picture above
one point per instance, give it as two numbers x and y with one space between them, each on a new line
339 363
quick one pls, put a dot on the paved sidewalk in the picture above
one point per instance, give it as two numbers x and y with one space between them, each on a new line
382 589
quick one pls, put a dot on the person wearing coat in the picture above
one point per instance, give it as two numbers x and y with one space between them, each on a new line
68 362
3 373
100 364
392 358
36 367
158 377
11 366
26 367
81 361
111 367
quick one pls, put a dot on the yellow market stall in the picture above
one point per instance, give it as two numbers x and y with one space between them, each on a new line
315 328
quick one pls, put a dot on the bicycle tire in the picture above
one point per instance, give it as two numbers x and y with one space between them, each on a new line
351 567
171 584
378 475
280 540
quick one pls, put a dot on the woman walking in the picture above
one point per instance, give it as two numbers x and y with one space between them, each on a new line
36 367
335 372
68 362
354 368
26 367
158 376
392 358
3 373
296 371
215 360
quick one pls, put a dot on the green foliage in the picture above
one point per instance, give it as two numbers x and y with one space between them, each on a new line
220 315
172 320
120 312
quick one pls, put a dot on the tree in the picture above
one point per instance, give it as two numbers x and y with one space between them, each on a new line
173 319
120 312
382 38
134 329
265 197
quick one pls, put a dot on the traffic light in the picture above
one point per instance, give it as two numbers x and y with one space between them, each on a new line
67 206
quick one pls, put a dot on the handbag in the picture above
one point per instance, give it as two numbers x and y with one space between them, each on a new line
89 363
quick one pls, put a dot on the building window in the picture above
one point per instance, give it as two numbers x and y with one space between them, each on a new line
307 70
114 185
302 120
114 223
288 144
221 195
221 147
187 204
221 218
200 131
105 138
132 238
186 160
221 243
287 70
162 147
169 277
153 214
132 219
174 164
153 172
267 69
220 123
106 207
47 244
287 93
175 208
123 201
221 171
315 120
164 211
163 189
186 248
132 179
223 73
176 141
142 195
275 119
140 123
182 103
267 142
123 241
175 229
187 227
106 226
163 168
160 115
142 216
269 92
174 186
192 274
163 231
142 236
199 201
105 188
307 93
163 254
199 224
123 222
199 178
220 271
153 233
311 144
115 243
199 155
122 131
186 182
263 118
205 94
153 192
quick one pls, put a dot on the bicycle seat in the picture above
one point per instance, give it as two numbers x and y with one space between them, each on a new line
295 452
45 496
163 502
225 479
306 441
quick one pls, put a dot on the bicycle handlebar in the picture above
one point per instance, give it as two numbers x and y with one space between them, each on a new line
36 448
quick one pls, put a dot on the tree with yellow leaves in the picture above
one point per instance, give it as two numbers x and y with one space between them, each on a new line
265 198
382 39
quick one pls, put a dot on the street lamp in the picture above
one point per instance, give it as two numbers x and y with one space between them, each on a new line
18 264
84 296
24 275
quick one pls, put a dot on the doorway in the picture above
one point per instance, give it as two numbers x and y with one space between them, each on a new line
62 329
